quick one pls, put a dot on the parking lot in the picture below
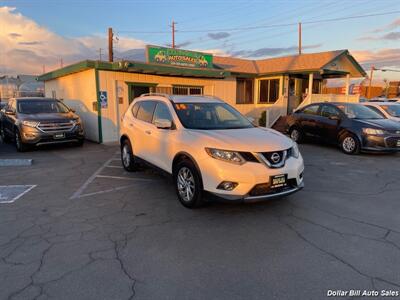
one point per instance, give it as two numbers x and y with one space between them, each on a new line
86 229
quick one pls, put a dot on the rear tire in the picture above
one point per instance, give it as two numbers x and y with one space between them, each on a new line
21 146
350 144
296 135
188 185
127 157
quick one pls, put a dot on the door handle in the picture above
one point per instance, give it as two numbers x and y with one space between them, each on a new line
148 131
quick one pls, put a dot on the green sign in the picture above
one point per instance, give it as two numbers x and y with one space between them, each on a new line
178 57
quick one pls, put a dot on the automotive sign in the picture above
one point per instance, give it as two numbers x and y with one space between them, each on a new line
178 57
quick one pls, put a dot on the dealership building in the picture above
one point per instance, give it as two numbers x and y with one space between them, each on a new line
100 91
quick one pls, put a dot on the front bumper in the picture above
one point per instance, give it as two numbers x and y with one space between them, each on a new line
248 177
33 136
381 143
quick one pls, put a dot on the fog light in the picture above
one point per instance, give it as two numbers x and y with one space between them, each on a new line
227 185
29 136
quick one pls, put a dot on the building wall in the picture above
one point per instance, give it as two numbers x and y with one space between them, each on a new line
117 90
78 91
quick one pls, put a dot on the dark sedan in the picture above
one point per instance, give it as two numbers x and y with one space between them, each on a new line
352 126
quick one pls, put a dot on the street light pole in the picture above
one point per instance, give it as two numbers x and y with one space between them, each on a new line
370 82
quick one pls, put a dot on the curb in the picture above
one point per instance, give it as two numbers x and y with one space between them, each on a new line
15 162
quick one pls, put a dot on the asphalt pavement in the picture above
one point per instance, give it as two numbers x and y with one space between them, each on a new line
86 229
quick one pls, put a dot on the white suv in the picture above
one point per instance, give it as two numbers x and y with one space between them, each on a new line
208 146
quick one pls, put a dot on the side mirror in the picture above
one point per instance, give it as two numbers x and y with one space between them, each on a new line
10 112
335 118
163 123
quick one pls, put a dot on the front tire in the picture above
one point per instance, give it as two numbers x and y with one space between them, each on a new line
188 185
127 157
350 144
296 135
21 146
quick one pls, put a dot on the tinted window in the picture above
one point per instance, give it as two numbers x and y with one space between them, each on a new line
358 111
311 110
392 109
329 111
145 112
375 109
41 107
135 109
162 112
210 116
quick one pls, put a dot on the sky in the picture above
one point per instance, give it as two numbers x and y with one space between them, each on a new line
39 35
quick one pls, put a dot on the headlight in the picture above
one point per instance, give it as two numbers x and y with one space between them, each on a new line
295 151
30 123
373 131
228 156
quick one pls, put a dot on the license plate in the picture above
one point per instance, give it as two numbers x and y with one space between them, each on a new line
398 143
58 136
278 181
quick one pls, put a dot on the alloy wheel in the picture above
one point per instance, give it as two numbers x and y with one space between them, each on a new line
126 155
349 144
294 135
186 184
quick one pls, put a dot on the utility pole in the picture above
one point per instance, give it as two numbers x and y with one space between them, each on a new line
173 33
61 62
100 53
370 82
299 38
110 45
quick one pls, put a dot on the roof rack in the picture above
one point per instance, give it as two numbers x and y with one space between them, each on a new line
157 94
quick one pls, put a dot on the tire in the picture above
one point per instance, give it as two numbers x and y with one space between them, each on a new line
21 147
296 135
127 157
80 143
3 135
188 184
350 144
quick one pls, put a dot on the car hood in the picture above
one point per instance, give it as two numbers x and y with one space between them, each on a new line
48 116
380 123
256 139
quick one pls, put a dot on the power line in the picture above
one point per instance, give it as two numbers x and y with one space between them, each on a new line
269 25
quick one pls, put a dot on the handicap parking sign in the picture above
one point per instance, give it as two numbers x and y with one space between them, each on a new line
103 99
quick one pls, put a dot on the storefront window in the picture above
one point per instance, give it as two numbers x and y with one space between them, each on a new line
187 90
269 90
244 91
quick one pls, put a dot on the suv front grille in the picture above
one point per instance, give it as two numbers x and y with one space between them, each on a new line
55 126
275 158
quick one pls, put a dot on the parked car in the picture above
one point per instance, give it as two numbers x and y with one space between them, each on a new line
208 146
388 110
352 126
38 121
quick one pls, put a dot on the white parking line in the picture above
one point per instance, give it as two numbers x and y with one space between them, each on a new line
90 179
96 174
5 199
116 167
124 178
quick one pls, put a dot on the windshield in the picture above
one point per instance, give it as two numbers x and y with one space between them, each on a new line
210 116
358 111
41 107
393 110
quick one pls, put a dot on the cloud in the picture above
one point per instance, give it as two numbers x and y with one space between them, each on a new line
384 58
40 46
218 35
390 26
261 52
392 36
